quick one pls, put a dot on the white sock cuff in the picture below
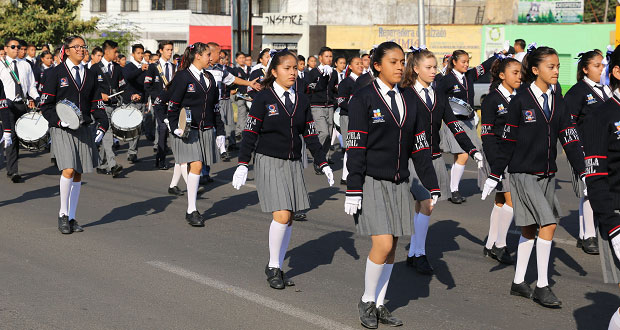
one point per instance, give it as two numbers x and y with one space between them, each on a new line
281 226
64 180
507 208
540 241
525 240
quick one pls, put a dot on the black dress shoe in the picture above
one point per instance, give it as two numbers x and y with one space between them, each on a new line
16 178
194 219
232 147
385 317
422 265
502 255
343 182
225 157
116 170
75 227
330 162
287 281
63 224
201 190
317 170
521 289
457 198
175 191
299 216
489 252
368 314
103 171
545 297
132 158
411 261
590 245
274 277
579 243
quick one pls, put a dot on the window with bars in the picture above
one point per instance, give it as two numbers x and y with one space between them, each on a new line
180 4
158 4
215 7
98 6
268 6
129 5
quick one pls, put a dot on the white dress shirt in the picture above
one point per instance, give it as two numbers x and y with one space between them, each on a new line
597 87
194 70
106 67
26 78
459 76
538 95
353 76
419 88
384 89
280 92
300 74
171 65
506 93
519 56
70 66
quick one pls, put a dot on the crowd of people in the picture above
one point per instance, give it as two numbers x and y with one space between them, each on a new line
393 112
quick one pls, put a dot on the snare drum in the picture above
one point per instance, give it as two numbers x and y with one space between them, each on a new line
69 113
126 122
460 107
185 120
32 131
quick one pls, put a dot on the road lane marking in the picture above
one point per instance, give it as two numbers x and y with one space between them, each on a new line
311 318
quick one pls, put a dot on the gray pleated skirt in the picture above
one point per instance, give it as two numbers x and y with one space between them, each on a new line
609 263
208 148
448 142
74 149
344 126
578 185
532 199
417 189
387 208
226 111
186 150
280 184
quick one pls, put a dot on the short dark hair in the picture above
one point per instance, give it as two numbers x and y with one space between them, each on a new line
176 56
364 56
148 52
301 58
520 42
121 56
32 45
96 50
239 54
109 44
22 43
380 52
9 39
136 47
162 44
324 49
340 57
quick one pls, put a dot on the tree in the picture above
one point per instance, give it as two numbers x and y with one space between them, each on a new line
42 21
595 9
117 29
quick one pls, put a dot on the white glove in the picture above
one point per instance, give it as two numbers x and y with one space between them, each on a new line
479 159
585 190
434 200
489 186
63 124
241 174
6 137
329 174
167 122
99 136
178 132
327 70
220 142
352 204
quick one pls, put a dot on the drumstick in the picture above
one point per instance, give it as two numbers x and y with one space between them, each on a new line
115 94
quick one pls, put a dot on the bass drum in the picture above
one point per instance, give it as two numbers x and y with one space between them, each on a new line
32 131
126 122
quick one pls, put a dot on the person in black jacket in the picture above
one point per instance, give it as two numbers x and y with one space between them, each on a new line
279 115
386 128
458 82
434 109
241 71
134 72
74 149
584 97
601 129
506 79
346 89
110 80
259 71
537 118
193 91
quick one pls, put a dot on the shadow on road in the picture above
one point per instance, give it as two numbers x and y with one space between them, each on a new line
598 313
142 208
45 192
231 204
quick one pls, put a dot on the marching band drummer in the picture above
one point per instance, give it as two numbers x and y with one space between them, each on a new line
74 149
194 90
279 115
386 128
134 73
458 82
21 92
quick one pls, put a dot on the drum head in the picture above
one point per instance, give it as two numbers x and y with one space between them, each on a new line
459 106
127 118
67 114
31 127
182 119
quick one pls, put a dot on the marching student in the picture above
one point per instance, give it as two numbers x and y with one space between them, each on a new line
44 63
74 149
366 62
584 97
134 73
110 80
259 70
346 89
96 55
20 89
519 47
601 129
242 71
367 77
31 53
194 89
301 66
458 83
434 110
505 80
312 63
537 114
386 128
340 65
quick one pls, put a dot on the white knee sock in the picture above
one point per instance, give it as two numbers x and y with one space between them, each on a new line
74 196
523 258
421 228
192 191
176 176
65 191
543 250
493 226
614 323
455 176
581 221
588 220
412 243
184 172
277 232
285 241
345 171
371 280
383 284
505 220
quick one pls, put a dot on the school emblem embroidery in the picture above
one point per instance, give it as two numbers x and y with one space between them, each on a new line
501 110
272 110
191 88
377 117
617 124
64 82
590 99
529 116
99 78
456 89
156 78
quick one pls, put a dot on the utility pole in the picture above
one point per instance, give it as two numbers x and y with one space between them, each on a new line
421 25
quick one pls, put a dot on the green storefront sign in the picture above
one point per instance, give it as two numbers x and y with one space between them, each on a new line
550 11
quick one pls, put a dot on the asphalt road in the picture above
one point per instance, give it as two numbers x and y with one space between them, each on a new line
138 265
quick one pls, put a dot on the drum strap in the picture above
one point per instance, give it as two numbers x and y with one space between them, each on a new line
162 76
19 91
107 77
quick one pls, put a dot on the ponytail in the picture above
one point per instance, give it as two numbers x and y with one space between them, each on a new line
500 65
190 54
